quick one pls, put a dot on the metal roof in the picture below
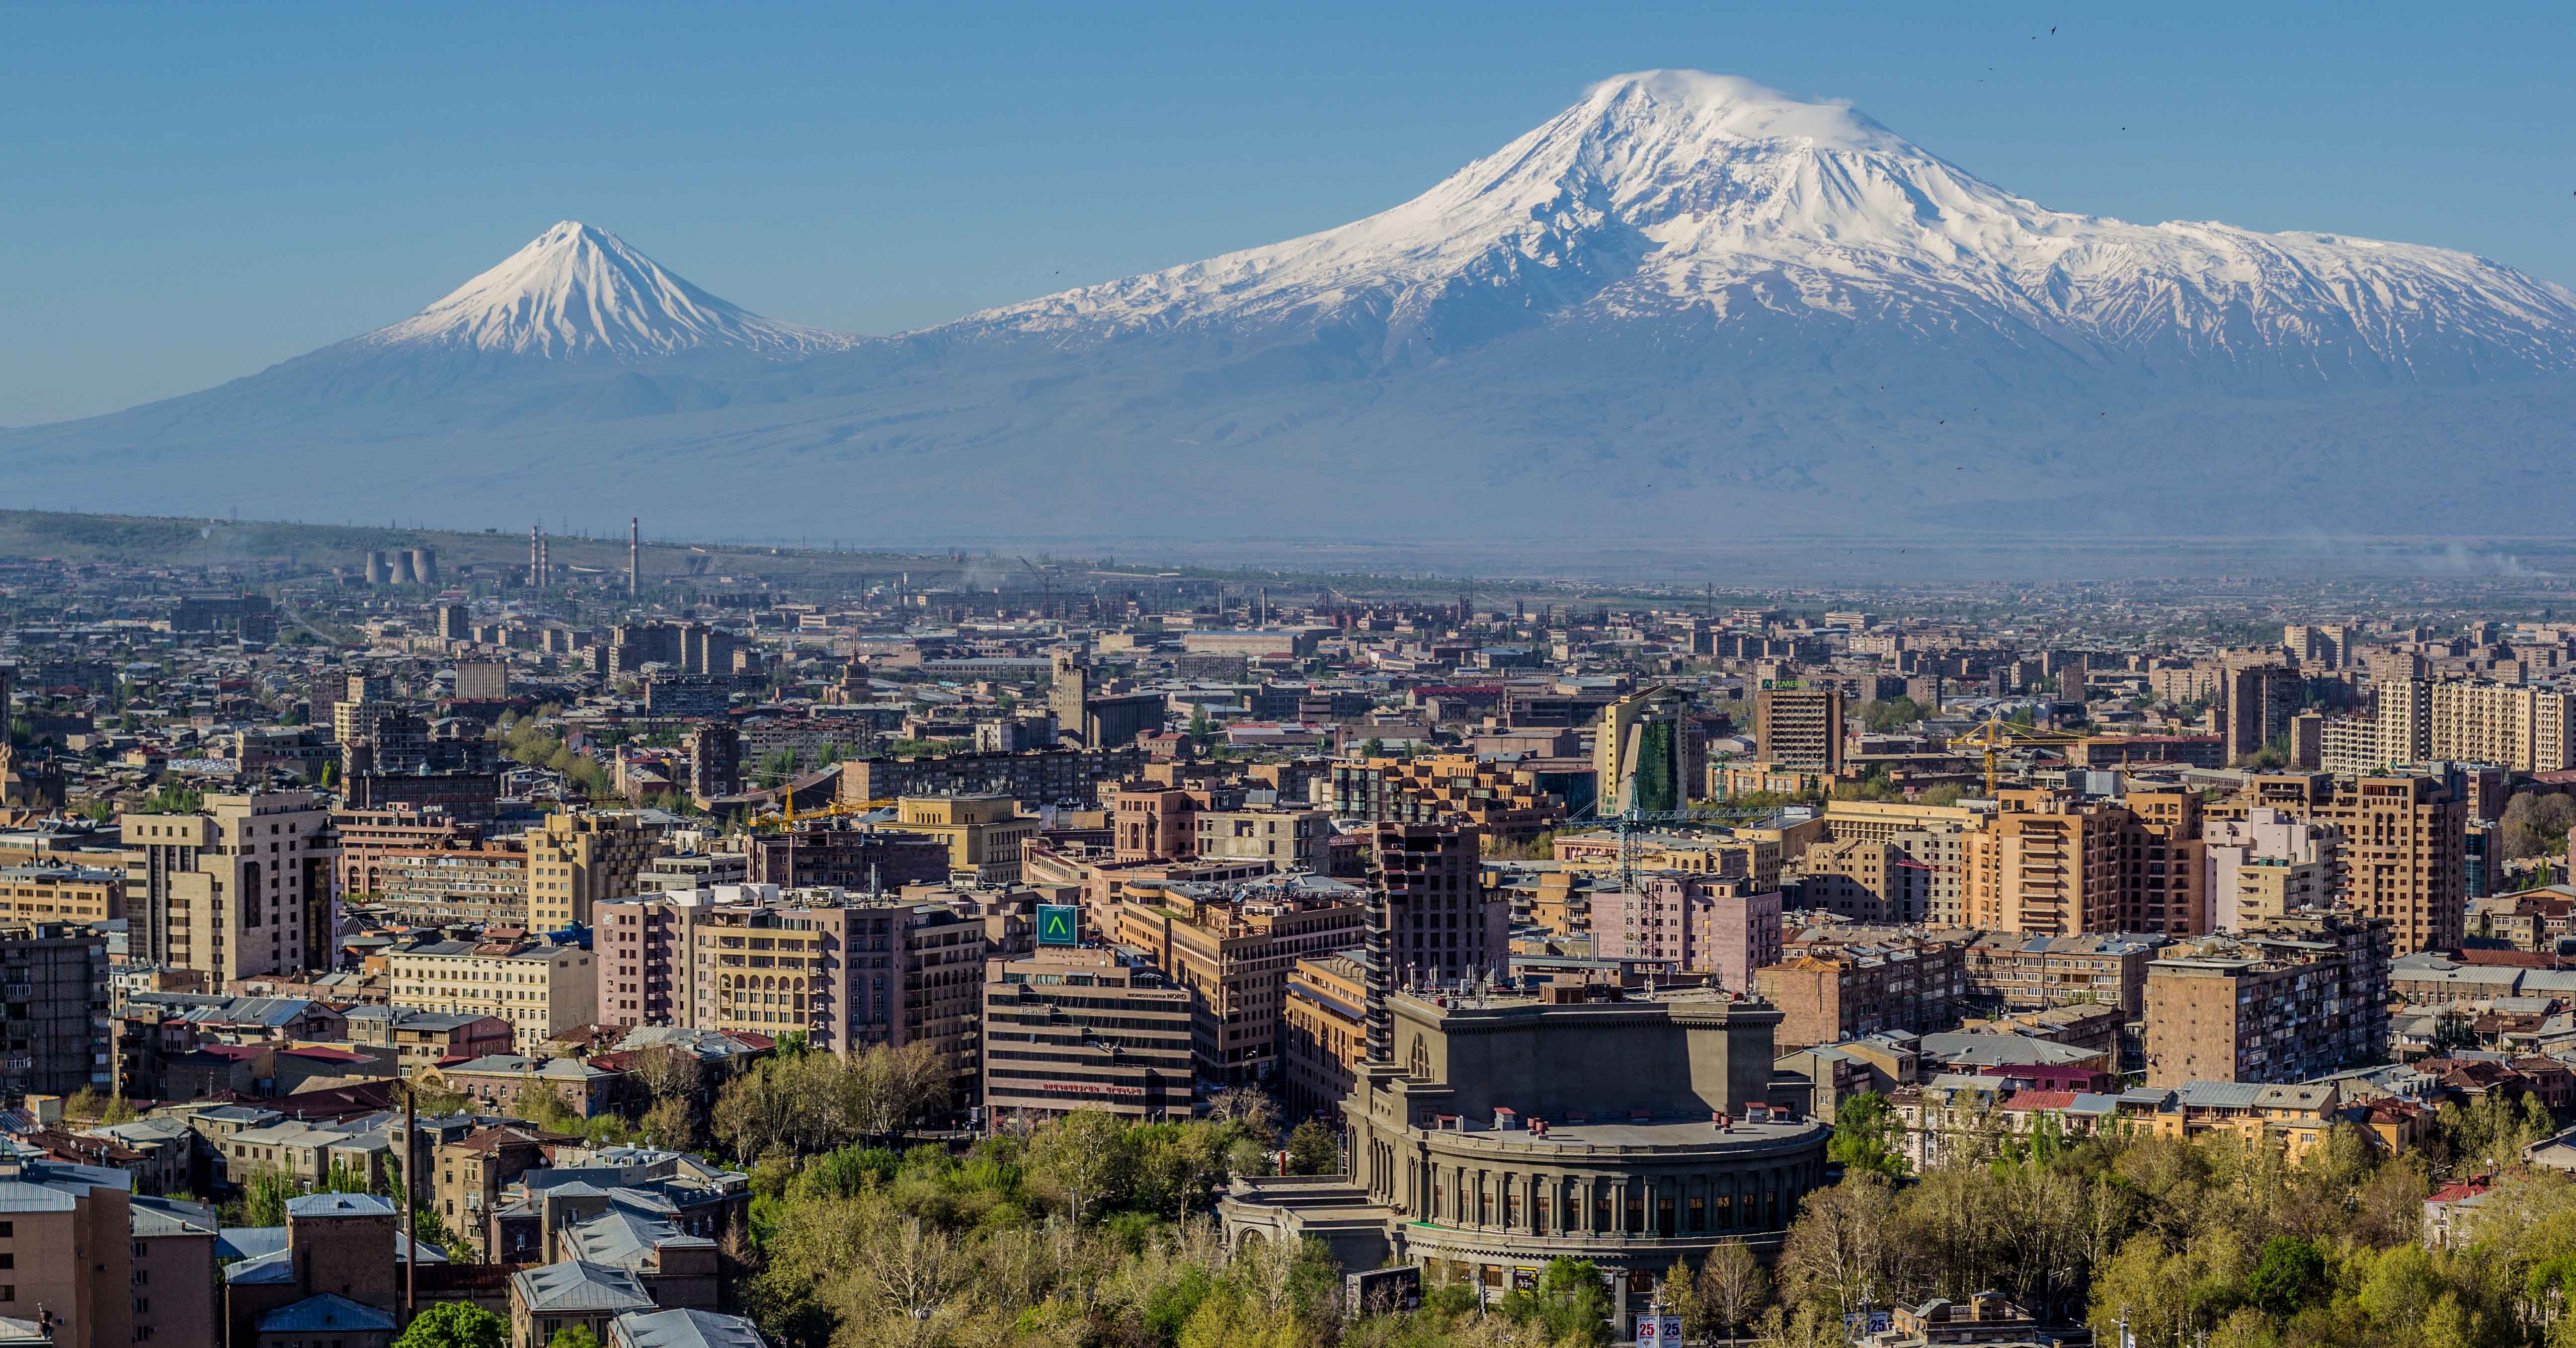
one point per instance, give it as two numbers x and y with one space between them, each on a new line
578 1286
339 1205
683 1329
326 1313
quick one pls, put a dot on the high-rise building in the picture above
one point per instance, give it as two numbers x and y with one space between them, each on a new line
2321 646
1442 925
2286 999
1639 754
2263 835
2056 865
578 860
848 970
1722 926
2401 851
1068 1029
2261 700
482 681
1232 944
714 753
1798 727
55 1038
241 888
2524 728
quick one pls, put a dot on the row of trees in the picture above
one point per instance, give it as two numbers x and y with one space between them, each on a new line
801 1102
2217 1242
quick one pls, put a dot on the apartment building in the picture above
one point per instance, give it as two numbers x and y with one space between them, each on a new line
580 859
2523 727
1287 837
106 1268
1064 777
539 987
1323 1032
2261 700
61 893
1232 944
845 968
2017 973
241 888
1865 881
1504 802
1798 727
476 881
2051 864
57 1037
2401 850
836 853
1067 1029
2286 999
1831 992
1721 926
2262 835
1442 925
367 836
983 834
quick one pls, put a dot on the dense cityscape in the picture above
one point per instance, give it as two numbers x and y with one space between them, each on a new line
447 938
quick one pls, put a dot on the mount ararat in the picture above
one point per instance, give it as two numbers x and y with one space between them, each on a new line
1685 307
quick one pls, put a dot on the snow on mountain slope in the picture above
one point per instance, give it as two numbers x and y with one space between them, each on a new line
577 290
1668 191
1685 305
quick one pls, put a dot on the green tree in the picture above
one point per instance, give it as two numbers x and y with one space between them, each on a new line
573 1336
455 1324
1314 1149
1084 1160
1570 1303
1865 1136
2287 1275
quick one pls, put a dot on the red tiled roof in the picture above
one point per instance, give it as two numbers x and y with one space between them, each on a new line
2041 1100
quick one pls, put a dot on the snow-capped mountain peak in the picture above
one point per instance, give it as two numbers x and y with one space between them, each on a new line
579 290
1680 193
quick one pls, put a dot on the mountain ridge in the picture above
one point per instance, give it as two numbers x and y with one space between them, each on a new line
1685 301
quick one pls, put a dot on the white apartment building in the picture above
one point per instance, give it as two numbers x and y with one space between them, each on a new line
541 989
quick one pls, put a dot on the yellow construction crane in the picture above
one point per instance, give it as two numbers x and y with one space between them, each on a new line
787 814
1998 734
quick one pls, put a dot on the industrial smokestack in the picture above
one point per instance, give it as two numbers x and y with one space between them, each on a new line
536 559
634 557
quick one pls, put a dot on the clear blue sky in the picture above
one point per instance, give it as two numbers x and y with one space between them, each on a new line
190 193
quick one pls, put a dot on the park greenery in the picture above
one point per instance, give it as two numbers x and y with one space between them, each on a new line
2215 1242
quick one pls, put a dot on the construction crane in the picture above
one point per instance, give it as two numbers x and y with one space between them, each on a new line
787 815
1997 734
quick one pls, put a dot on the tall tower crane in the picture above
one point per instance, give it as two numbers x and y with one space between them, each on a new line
1997 734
